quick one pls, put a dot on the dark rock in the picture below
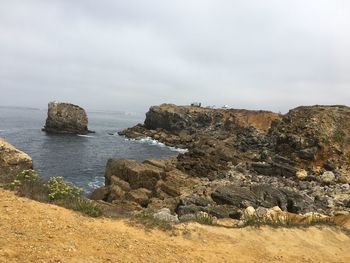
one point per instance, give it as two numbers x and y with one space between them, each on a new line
100 193
329 165
223 211
190 209
236 196
194 200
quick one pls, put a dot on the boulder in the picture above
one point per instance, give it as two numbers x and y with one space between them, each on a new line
234 195
327 177
165 215
12 160
301 174
66 118
136 174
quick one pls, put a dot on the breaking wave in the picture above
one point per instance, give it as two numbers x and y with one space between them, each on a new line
151 141
87 136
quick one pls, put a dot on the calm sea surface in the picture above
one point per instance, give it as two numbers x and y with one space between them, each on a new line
78 159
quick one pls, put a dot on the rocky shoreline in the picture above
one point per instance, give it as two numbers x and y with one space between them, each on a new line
238 160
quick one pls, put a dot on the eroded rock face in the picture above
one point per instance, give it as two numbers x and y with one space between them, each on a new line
66 118
173 118
153 183
12 160
314 137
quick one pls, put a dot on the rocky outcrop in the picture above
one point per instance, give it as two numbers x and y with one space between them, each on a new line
12 160
315 138
152 183
173 118
298 161
66 118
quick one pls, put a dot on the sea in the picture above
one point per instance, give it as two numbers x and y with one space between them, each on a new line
80 159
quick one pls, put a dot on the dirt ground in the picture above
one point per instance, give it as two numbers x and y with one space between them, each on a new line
36 232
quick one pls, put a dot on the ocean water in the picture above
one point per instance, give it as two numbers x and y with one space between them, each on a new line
79 159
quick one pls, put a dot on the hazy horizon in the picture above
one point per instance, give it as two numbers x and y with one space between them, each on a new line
130 55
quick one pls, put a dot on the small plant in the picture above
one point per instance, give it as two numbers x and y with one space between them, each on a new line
86 207
59 190
339 136
149 222
26 176
205 218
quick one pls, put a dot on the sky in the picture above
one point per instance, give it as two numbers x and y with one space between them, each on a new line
129 55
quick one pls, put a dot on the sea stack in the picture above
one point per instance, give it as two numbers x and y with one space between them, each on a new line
66 118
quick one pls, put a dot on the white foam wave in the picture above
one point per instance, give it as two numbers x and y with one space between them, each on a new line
151 141
97 182
87 136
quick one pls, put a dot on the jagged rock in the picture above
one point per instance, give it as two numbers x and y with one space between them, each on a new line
66 118
233 195
274 169
12 160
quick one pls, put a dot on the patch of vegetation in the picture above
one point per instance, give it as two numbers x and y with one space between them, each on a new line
149 222
82 205
61 190
204 218
55 190
285 221
338 136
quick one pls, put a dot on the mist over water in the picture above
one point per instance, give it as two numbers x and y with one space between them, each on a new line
79 159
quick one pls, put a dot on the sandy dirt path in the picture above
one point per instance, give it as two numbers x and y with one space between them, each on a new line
36 232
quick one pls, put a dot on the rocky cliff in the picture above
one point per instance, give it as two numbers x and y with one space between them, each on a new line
66 118
173 118
12 160
240 158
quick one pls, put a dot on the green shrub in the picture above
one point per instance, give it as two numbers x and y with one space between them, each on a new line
58 189
150 222
339 136
26 176
205 218
86 206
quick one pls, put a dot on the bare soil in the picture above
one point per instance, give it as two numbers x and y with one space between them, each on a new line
35 232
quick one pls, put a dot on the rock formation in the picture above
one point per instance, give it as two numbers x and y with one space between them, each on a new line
66 118
238 159
12 160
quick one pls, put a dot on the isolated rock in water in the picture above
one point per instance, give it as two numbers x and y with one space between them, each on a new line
66 118
12 160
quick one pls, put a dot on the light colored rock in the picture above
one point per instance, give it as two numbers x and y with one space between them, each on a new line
344 177
327 177
12 160
276 209
262 212
165 215
301 174
249 212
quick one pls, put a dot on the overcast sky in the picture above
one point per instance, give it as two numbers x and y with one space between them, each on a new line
128 55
